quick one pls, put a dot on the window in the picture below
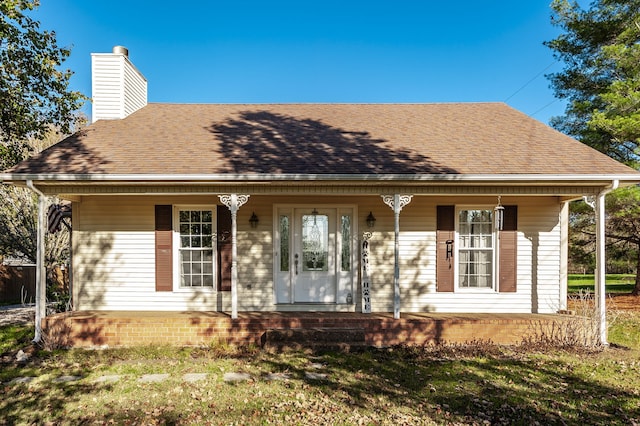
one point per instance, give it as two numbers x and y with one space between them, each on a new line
195 247
475 248
345 263
315 242
284 243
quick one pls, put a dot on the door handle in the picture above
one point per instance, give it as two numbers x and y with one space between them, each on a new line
295 263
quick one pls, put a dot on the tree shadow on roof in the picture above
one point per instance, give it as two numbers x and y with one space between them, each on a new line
71 155
267 142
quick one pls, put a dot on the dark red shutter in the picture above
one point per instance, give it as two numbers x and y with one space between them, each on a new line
445 236
224 248
164 248
509 251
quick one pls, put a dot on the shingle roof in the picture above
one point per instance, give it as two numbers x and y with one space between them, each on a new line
479 138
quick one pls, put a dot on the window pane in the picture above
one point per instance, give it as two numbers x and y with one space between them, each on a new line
206 216
196 229
346 244
315 242
195 216
284 243
185 281
184 216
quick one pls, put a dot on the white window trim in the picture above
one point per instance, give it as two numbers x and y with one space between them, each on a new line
494 270
177 288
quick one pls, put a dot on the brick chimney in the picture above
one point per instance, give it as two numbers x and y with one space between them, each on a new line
118 88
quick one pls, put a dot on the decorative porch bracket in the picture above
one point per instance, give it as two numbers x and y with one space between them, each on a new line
234 202
396 202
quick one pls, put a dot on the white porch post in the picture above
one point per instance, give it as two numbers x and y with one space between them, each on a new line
396 202
597 203
41 273
234 202
601 308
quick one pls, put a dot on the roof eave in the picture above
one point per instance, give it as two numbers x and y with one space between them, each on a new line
631 178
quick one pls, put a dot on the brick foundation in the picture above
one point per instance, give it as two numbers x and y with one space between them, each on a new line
113 328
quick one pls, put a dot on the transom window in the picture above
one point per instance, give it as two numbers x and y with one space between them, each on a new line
475 248
196 247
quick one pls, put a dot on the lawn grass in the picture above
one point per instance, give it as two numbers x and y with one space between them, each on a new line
615 283
476 384
14 336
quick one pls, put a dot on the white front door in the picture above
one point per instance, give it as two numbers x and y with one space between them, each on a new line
314 252
314 241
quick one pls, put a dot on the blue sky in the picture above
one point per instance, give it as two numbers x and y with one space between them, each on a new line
395 51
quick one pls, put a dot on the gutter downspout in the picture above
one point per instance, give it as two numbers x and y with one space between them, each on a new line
41 275
600 278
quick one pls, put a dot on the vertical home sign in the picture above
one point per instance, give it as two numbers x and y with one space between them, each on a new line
366 283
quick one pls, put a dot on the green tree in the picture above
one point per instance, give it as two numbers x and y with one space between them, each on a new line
19 217
34 91
600 48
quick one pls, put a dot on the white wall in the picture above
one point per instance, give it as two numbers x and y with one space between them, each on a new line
118 88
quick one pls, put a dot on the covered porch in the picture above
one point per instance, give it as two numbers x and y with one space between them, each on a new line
94 329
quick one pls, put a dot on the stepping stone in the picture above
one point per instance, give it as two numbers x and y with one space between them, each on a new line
236 377
65 379
317 366
153 378
277 376
315 376
19 380
108 379
194 377
22 357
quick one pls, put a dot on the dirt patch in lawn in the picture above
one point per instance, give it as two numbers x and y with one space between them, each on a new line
616 301
625 302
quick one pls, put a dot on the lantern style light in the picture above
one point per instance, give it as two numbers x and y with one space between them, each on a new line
499 215
253 220
371 220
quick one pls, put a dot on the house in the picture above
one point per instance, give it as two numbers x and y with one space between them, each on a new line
403 208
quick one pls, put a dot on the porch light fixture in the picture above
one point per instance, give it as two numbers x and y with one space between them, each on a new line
371 220
499 215
253 220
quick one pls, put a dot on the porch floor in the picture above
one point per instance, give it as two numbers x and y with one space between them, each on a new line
127 328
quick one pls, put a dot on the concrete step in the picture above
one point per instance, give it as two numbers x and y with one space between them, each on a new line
338 339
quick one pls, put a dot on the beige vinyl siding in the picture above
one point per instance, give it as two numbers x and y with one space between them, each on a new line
114 265
114 256
538 260
255 253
